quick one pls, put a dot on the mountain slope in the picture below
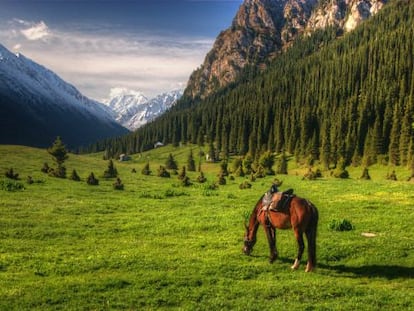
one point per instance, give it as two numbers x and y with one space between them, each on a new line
346 100
132 109
262 29
36 106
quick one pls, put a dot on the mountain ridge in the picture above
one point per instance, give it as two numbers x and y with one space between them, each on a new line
36 105
133 109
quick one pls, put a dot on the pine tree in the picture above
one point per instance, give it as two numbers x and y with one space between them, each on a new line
171 164
146 170
111 172
191 166
59 153
92 180
74 176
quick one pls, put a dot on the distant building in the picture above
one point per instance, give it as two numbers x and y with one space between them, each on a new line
124 157
158 144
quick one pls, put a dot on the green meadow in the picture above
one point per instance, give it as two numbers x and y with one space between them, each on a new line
157 245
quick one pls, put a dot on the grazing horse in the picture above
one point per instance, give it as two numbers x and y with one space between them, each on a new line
283 210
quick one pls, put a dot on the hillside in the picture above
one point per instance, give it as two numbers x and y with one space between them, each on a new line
263 29
323 99
36 106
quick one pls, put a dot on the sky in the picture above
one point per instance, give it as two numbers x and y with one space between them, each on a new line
151 46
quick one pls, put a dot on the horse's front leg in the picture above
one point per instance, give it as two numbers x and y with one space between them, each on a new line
301 247
271 238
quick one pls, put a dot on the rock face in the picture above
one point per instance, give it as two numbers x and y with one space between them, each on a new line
263 28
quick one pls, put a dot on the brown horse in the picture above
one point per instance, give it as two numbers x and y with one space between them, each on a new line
284 211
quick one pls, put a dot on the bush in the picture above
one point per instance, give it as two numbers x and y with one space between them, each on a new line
245 185
45 169
340 225
74 176
9 185
11 174
311 175
118 185
92 180
162 172
392 176
146 170
365 174
201 178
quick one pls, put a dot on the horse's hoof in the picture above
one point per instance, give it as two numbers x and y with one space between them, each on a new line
309 268
295 265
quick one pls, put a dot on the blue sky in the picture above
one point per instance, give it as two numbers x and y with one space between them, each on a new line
149 46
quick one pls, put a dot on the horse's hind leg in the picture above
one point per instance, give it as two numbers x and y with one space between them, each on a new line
271 238
301 247
311 237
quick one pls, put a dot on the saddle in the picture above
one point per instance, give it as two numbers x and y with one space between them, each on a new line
281 200
278 201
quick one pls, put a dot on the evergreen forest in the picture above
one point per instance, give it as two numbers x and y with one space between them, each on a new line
331 97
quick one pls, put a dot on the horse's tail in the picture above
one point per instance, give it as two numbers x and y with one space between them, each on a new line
312 232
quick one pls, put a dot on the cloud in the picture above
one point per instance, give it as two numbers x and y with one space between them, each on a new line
36 32
96 61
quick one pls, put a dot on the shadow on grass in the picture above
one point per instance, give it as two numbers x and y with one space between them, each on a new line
384 271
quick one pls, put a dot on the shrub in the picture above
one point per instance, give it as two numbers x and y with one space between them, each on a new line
11 185
340 225
45 169
245 185
391 176
365 174
92 180
118 185
312 175
201 178
11 174
162 172
266 161
74 176
29 180
221 179
146 170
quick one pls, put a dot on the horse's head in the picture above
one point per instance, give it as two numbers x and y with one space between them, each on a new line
248 242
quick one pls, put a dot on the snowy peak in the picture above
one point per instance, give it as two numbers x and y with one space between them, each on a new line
133 109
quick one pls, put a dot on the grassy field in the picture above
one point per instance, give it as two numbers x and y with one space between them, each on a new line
157 245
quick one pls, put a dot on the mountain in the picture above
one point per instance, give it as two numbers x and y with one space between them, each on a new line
262 29
330 101
132 109
36 106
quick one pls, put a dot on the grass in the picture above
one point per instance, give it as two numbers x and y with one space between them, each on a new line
156 245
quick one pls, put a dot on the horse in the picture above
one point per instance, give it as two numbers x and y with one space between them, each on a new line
283 210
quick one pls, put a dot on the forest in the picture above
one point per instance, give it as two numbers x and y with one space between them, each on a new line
331 97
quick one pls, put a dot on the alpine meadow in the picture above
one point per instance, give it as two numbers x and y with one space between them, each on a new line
159 218
158 244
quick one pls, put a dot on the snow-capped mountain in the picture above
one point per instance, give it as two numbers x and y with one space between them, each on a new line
36 106
132 109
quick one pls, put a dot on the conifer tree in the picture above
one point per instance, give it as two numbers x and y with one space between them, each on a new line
59 153
191 166
74 176
146 170
171 164
111 172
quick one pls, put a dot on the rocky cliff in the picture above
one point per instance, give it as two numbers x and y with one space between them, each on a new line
263 28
